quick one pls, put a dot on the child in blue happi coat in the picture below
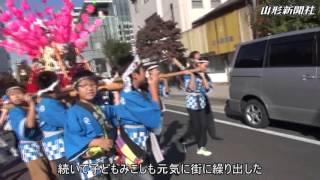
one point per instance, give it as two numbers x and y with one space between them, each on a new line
11 143
139 111
52 115
87 132
22 118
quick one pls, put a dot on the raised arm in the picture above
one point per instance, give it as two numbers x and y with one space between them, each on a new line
205 81
178 64
153 82
3 117
31 113
190 82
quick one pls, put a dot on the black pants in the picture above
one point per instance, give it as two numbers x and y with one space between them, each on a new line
200 123
210 118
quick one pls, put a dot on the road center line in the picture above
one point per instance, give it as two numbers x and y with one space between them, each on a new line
288 136
215 108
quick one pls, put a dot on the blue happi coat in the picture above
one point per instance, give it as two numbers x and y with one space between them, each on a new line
195 99
138 114
52 115
29 138
81 128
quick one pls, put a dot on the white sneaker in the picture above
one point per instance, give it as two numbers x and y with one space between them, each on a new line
204 151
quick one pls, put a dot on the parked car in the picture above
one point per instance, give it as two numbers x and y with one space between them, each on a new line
277 77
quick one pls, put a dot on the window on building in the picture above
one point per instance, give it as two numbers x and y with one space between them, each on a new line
293 54
97 45
251 55
136 8
197 4
215 3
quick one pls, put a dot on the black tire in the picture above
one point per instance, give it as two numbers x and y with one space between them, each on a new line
255 114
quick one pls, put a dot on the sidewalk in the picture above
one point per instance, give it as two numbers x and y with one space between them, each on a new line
220 91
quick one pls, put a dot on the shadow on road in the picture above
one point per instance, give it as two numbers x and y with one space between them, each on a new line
170 132
15 175
10 164
172 155
305 130
302 129
14 169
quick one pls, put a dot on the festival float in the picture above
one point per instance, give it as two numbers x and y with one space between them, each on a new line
49 38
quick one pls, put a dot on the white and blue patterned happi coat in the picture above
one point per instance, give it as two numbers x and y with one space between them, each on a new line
195 100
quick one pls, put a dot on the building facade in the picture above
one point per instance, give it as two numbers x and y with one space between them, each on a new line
184 12
5 65
116 25
217 34
212 27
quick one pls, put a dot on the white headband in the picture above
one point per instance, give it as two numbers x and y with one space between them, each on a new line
201 61
148 62
48 89
12 88
152 67
131 68
80 79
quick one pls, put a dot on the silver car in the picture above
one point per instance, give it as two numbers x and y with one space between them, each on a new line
278 77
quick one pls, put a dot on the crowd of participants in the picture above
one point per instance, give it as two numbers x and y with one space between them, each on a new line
53 128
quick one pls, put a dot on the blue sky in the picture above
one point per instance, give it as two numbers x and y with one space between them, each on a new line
54 3
38 6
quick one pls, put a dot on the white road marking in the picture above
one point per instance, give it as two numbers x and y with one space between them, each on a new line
215 108
288 136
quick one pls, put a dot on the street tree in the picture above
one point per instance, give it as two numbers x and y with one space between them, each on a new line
160 39
264 25
115 50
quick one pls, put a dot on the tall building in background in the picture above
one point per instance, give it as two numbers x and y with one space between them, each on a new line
212 27
122 11
76 14
184 12
116 25
5 66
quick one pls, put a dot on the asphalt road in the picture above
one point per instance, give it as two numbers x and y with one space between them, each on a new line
282 151
280 158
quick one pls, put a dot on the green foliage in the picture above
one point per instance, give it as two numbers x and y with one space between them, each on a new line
115 50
